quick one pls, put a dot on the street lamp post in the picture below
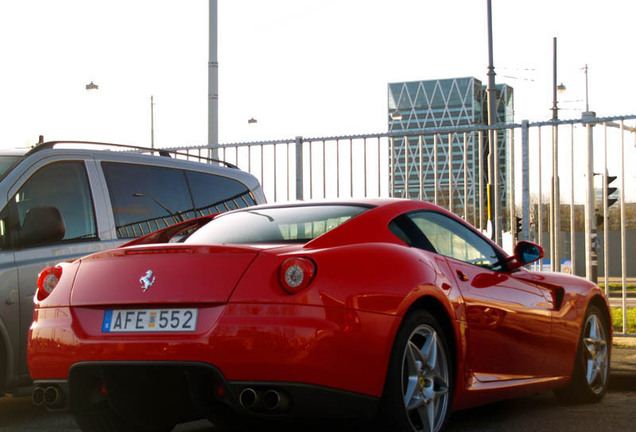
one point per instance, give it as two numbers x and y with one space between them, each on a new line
492 193
555 225
213 82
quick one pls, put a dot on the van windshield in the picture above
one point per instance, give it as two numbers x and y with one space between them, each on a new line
7 162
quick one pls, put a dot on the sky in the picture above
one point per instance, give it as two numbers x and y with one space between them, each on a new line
312 68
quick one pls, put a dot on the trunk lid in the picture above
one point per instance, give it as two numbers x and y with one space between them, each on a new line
161 274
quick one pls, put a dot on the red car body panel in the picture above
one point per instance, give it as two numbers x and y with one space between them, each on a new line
337 333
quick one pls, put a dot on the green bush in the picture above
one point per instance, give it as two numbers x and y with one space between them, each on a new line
616 287
617 318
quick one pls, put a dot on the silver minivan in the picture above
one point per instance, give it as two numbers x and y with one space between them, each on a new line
63 200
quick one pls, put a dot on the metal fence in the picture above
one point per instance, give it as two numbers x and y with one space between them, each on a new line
553 185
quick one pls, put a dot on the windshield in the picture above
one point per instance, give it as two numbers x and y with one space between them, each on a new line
7 162
275 225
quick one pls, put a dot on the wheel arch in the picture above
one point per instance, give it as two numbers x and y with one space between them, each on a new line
436 308
604 307
392 406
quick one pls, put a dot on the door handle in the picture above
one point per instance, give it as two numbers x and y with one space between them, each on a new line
461 276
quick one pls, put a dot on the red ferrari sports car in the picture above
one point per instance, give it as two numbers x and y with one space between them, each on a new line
389 308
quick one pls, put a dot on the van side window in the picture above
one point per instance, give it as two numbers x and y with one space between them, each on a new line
146 198
59 187
216 194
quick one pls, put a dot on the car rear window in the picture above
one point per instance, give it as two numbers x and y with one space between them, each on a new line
298 224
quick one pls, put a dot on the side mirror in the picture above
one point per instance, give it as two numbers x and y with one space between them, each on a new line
525 253
41 225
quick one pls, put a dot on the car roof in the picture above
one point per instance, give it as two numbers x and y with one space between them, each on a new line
118 153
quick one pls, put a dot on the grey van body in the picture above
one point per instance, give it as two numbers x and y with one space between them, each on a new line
58 204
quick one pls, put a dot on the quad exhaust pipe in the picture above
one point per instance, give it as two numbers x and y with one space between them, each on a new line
51 396
270 400
249 398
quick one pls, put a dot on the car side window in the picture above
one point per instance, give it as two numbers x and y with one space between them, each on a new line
146 198
453 239
65 187
216 194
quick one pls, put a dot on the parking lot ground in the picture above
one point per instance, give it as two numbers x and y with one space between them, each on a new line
616 412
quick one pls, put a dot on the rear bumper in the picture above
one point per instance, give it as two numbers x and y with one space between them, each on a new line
205 389
314 347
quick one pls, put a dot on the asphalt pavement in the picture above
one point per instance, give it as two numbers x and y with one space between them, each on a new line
616 412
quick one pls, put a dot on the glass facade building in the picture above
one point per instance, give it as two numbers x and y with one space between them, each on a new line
422 116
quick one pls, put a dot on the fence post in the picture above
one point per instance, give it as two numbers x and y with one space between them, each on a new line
525 180
299 168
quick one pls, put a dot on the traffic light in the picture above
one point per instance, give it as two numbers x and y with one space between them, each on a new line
610 190
518 225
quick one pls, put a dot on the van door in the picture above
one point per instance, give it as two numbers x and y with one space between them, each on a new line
57 189
9 302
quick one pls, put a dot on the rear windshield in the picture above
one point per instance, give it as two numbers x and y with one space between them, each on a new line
298 224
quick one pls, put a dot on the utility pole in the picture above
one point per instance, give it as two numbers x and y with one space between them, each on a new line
492 192
555 225
213 83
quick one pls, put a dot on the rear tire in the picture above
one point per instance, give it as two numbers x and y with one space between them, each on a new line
591 368
419 383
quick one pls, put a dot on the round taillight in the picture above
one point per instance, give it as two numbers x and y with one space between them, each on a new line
47 281
296 274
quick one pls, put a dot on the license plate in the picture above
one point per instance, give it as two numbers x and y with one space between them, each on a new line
149 320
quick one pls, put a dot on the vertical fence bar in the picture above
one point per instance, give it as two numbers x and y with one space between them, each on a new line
379 175
262 167
351 167
525 180
421 167
606 248
392 162
591 256
465 176
555 262
480 160
450 172
435 174
512 212
311 170
473 184
364 153
338 168
496 179
300 187
572 213
288 173
324 169
623 241
540 204
275 176
405 171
